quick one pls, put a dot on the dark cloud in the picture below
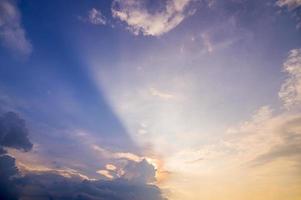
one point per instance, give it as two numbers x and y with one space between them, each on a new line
8 170
13 132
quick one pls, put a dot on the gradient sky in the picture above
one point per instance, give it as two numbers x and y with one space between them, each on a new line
200 98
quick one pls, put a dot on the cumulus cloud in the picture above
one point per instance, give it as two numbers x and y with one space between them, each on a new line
291 4
94 17
290 92
12 34
164 16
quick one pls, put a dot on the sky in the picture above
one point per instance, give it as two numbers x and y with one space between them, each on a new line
150 99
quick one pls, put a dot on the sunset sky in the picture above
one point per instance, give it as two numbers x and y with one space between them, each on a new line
150 99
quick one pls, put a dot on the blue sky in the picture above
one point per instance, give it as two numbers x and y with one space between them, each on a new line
189 88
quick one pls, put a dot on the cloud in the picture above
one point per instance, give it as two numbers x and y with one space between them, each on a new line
165 16
291 4
13 132
160 94
12 34
290 146
116 155
207 42
45 183
111 167
52 186
94 17
142 172
105 173
267 136
129 166
7 169
290 92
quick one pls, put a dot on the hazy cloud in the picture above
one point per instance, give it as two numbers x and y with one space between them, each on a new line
164 16
12 34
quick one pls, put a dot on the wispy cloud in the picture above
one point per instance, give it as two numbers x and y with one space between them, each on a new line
290 92
207 42
162 95
267 136
291 4
140 19
12 34
95 17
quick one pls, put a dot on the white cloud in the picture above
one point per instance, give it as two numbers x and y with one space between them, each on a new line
290 92
140 19
12 34
291 4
